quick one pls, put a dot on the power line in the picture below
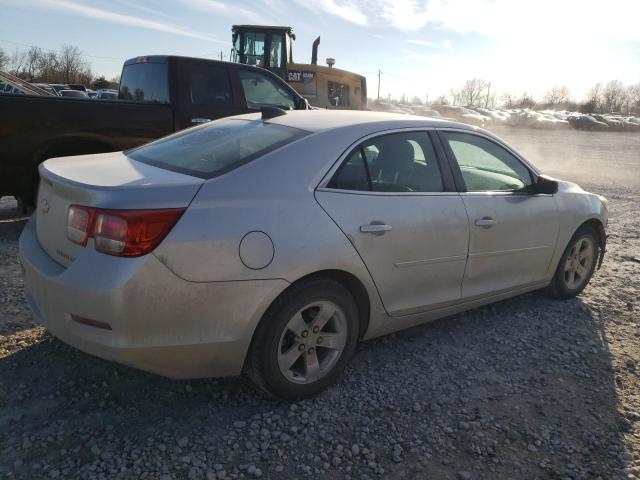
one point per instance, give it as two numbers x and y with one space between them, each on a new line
55 51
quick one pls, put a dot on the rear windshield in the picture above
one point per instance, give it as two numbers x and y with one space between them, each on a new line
145 82
212 149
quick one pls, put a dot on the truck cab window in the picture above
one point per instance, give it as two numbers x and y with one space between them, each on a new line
145 82
261 90
209 85
275 51
254 49
338 94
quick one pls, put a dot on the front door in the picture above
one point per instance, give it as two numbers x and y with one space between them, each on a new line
512 233
389 198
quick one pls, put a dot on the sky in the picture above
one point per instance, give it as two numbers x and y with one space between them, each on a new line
423 47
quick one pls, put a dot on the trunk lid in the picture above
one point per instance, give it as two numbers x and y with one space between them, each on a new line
111 181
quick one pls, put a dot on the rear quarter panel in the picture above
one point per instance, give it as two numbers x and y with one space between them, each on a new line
274 195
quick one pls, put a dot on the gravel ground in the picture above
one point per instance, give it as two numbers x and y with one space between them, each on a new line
526 388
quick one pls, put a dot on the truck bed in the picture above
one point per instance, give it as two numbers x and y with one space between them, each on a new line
34 128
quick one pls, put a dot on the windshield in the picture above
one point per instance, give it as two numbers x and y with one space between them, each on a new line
145 82
212 149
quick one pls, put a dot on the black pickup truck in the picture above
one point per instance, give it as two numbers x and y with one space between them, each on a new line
157 95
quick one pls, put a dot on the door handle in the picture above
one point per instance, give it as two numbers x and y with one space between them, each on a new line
199 120
485 222
375 228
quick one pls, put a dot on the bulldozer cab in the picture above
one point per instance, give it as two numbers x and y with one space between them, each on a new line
263 46
271 48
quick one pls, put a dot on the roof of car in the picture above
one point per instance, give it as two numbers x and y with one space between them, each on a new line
320 120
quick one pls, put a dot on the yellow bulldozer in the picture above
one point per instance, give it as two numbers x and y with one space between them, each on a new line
271 47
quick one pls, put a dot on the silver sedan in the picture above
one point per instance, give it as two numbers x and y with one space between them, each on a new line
272 244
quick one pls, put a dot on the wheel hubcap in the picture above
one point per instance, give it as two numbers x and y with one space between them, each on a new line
312 342
579 263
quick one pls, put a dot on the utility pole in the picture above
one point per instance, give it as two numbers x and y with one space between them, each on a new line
379 73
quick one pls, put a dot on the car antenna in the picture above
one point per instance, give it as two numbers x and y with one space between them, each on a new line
272 112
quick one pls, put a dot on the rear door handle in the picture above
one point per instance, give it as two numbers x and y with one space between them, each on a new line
375 228
485 222
199 120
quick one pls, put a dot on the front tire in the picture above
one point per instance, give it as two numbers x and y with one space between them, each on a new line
577 264
305 340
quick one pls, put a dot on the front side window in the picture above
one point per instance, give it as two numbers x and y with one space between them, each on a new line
485 165
209 85
212 149
262 91
254 49
399 162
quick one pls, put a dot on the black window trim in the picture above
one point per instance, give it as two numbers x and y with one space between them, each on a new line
446 175
457 173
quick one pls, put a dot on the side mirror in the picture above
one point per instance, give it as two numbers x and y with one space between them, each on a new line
546 185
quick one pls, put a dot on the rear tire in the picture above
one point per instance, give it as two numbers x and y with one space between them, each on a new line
305 340
577 264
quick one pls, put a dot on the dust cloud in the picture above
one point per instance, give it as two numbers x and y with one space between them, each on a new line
605 158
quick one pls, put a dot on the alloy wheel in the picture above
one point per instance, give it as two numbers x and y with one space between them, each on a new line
578 264
312 342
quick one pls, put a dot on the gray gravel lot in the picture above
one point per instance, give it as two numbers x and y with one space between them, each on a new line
526 388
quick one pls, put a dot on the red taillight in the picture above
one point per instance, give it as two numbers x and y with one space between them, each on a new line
79 221
125 233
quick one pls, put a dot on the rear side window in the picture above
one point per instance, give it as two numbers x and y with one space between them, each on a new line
209 85
398 162
145 82
215 148
263 91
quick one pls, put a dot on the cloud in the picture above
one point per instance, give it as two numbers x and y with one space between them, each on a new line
542 21
413 56
444 45
112 17
422 43
220 8
404 14
346 10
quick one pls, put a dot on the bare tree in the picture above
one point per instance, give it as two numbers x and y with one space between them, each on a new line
633 95
32 60
614 96
4 59
525 101
557 95
474 92
17 62
71 64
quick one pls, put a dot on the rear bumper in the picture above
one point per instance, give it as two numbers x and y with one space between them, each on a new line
159 322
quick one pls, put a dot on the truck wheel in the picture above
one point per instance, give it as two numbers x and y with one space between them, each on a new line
305 340
577 264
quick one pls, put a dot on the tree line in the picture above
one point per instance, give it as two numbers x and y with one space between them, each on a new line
67 65
611 97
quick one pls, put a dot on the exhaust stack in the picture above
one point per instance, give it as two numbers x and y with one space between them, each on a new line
314 51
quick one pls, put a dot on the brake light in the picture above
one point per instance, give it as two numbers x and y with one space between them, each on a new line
124 233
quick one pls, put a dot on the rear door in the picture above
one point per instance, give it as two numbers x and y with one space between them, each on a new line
512 233
205 92
391 199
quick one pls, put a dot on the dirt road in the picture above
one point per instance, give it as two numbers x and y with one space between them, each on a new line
527 388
